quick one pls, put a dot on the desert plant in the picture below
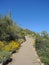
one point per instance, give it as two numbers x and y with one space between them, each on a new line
42 47
1 45
4 56
12 46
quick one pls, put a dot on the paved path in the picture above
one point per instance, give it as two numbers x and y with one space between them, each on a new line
26 55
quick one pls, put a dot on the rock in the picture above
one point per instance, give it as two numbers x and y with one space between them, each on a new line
0 63
42 63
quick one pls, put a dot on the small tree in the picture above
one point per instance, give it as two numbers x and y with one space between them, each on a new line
44 34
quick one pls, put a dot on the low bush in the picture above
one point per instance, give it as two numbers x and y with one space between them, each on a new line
1 44
20 40
42 47
7 49
4 56
12 46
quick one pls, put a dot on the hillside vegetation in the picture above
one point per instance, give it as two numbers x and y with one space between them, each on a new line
11 37
42 47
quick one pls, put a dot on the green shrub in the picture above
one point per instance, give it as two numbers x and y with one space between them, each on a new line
42 47
20 40
4 56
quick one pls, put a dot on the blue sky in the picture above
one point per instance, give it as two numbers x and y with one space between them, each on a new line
31 14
